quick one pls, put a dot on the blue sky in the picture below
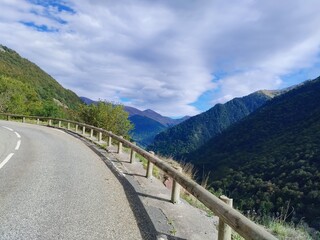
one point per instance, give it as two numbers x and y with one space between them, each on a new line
177 57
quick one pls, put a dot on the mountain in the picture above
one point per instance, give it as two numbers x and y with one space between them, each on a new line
147 123
133 111
15 70
166 121
145 129
87 101
194 132
271 159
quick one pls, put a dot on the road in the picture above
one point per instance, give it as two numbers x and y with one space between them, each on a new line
52 186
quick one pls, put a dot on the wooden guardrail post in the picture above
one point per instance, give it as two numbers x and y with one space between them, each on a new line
68 126
109 140
50 122
132 154
8 118
83 130
76 128
99 136
119 146
91 133
59 124
176 188
23 119
149 167
224 231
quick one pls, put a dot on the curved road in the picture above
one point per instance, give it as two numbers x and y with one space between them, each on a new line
52 186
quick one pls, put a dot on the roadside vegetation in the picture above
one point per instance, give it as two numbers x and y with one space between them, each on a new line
277 224
107 116
26 89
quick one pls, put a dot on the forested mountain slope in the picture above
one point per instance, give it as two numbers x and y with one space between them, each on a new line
145 129
271 159
23 81
191 134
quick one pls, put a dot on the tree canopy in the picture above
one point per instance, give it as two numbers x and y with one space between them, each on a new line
108 116
271 159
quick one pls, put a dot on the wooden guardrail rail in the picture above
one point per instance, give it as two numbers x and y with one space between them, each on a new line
227 215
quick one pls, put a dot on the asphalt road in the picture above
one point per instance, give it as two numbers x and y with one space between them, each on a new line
52 186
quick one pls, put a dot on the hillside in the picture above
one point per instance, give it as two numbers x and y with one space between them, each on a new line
87 101
14 68
271 159
147 123
194 132
145 129
165 121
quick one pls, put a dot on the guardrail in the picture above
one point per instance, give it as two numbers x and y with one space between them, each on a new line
220 207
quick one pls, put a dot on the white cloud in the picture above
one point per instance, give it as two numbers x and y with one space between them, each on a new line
164 54
244 83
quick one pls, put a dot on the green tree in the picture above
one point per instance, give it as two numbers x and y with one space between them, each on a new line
21 98
107 116
49 109
17 97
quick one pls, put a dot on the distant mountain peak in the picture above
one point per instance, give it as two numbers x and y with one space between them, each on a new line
271 93
149 110
275 93
87 101
147 123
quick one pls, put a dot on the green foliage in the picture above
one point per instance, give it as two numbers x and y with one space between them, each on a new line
272 157
20 69
20 98
194 132
288 230
26 89
17 97
108 116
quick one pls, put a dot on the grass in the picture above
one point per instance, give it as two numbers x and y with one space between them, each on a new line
173 231
285 230
277 226
155 171
193 201
126 150
282 229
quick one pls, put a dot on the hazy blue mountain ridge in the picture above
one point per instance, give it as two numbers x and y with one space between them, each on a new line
145 129
147 123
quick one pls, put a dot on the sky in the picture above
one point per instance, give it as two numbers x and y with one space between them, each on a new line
177 57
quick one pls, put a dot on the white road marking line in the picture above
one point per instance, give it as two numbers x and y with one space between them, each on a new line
17 134
10 129
6 160
18 145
